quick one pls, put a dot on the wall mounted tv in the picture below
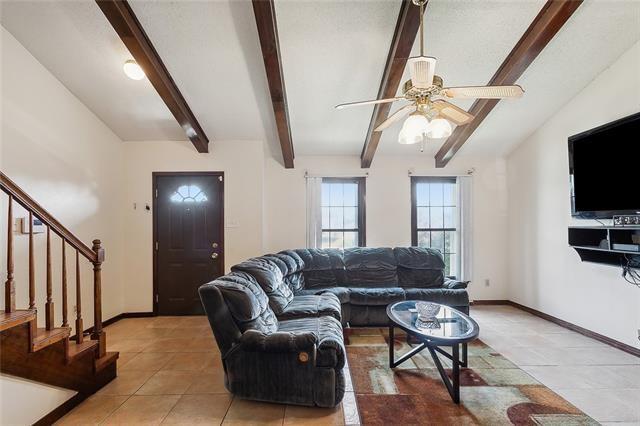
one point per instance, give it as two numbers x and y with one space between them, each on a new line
604 167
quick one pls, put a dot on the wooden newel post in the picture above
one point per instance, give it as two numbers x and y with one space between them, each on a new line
98 334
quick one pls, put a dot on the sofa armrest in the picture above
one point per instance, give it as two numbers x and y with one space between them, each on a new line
455 284
255 341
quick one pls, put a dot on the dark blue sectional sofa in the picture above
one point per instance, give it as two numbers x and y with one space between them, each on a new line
278 319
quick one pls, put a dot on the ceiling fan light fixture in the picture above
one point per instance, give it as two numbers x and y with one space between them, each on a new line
439 128
413 129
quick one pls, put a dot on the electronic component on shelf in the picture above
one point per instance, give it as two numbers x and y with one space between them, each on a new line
626 247
626 220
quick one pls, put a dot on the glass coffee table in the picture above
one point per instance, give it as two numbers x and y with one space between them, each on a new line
450 327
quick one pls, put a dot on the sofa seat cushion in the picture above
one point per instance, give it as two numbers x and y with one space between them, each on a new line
381 296
328 331
342 293
312 305
445 296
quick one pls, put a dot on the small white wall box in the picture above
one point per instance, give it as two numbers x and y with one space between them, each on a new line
38 226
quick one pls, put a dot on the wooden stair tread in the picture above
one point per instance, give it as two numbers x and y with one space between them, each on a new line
106 360
75 349
15 318
46 337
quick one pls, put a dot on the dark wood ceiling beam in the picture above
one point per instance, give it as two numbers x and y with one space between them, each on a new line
404 37
265 14
126 24
553 15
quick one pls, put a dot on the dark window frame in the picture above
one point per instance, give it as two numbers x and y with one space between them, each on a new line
415 180
362 208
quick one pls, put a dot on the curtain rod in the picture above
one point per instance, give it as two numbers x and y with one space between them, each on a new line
469 172
335 175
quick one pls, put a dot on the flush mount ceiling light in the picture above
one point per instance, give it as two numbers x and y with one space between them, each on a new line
427 96
133 70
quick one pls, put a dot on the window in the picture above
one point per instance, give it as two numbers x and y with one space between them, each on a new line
188 194
435 218
343 213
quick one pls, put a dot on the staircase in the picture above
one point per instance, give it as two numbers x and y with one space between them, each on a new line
51 354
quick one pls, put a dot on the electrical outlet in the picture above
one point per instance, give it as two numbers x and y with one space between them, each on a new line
487 282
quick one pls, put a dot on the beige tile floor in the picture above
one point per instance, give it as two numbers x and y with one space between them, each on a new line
169 372
602 381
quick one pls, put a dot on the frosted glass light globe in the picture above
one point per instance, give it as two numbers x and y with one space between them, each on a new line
133 70
439 128
413 129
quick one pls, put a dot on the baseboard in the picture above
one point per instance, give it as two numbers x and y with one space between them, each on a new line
585 332
59 412
489 302
117 318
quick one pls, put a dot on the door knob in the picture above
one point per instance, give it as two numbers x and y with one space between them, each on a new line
214 245
214 255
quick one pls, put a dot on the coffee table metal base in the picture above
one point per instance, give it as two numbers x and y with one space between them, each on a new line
453 384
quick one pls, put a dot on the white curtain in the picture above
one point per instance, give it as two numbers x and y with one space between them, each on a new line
314 212
465 201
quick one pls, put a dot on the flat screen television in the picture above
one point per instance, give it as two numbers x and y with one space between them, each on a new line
604 167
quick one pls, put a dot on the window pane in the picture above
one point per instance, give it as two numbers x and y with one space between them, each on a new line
337 240
450 245
450 194
423 239
350 217
350 239
437 217
336 195
335 218
436 194
422 194
326 242
423 217
449 217
325 217
351 194
447 265
437 240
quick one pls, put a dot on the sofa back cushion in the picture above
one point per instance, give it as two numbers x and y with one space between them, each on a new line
370 267
419 267
269 276
292 266
322 267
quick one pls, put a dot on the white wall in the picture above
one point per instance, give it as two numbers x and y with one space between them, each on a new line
388 207
544 273
71 163
243 164
61 154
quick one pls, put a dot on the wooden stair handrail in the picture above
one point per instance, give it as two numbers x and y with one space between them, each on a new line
40 212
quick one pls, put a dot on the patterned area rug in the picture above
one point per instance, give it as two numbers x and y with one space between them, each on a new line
493 390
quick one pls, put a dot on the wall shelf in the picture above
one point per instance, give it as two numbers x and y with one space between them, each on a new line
595 243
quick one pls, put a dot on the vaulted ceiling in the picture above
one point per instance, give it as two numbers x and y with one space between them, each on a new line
331 52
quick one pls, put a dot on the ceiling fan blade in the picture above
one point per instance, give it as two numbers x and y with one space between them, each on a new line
394 117
484 92
375 101
422 69
452 112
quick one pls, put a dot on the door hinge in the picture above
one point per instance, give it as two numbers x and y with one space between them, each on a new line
156 192
156 246
220 178
156 298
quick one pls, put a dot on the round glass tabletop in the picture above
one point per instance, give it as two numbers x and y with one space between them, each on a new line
448 325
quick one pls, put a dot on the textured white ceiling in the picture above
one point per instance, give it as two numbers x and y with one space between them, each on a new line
74 41
212 50
594 37
333 51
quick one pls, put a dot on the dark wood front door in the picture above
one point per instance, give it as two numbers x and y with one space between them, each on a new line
188 238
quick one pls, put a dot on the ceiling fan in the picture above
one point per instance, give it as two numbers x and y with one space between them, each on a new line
429 112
